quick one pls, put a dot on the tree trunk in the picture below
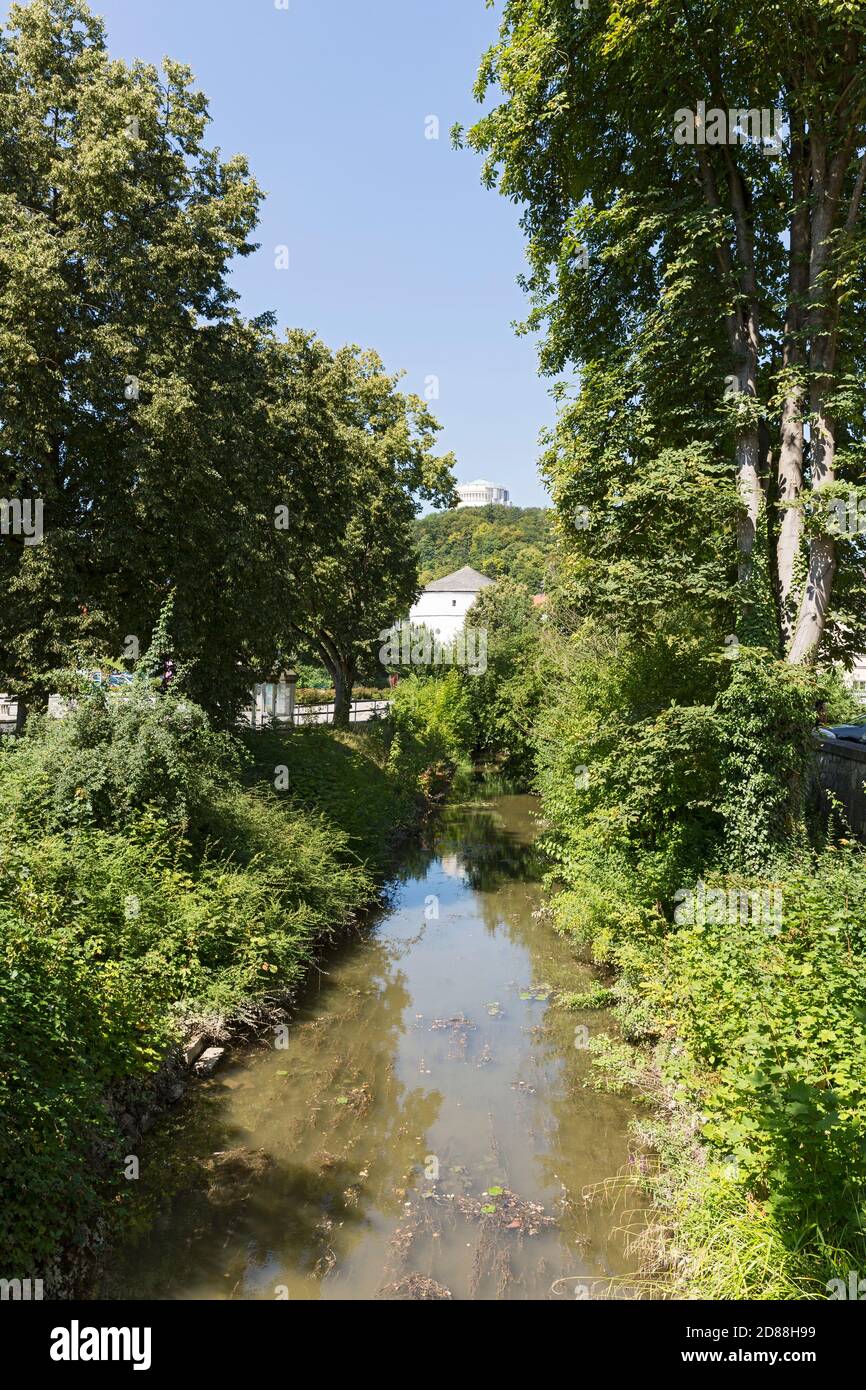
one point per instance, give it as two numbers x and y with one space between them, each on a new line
791 451
749 488
822 322
822 548
790 483
816 601
344 681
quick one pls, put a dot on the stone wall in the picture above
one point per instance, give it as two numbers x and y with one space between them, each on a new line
841 770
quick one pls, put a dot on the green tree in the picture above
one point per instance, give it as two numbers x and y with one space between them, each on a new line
348 568
496 541
505 698
118 345
708 284
269 486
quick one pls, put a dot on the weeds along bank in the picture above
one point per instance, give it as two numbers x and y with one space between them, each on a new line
156 874
687 855
734 929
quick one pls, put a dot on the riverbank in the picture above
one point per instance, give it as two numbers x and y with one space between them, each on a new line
422 1131
163 886
745 1031
732 925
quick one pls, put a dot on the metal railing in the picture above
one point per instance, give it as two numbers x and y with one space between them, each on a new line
272 707
360 712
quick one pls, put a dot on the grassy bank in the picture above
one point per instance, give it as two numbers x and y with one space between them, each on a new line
735 929
157 874
748 1039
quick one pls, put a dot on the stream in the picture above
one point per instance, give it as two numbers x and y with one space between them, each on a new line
421 1128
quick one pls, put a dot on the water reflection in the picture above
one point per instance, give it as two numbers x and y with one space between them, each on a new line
426 1131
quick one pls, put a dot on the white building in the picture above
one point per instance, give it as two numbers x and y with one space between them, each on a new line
482 494
443 605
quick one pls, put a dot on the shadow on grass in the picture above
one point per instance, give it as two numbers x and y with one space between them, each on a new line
342 777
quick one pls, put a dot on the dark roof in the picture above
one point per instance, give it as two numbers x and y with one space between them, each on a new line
465 581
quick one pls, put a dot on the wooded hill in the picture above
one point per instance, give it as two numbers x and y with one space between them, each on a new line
497 541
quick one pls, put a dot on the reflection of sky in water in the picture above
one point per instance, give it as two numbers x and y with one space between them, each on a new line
304 1169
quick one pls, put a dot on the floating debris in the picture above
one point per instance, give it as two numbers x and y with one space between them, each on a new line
415 1287
327 1258
358 1099
401 1241
507 1213
485 1057
458 1028
233 1175
537 993
456 1021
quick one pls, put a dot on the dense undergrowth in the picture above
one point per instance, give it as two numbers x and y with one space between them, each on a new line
693 864
154 871
690 857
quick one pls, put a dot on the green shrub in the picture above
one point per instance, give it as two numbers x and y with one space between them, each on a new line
628 766
775 1014
140 881
344 776
113 755
650 792
431 726
762 723
506 697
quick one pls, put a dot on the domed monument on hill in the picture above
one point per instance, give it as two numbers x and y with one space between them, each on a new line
482 494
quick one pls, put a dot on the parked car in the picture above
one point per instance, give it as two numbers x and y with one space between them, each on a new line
853 733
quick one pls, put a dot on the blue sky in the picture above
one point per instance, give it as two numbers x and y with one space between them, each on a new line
393 242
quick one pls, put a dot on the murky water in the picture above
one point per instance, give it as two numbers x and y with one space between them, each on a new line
425 1128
